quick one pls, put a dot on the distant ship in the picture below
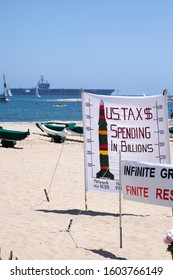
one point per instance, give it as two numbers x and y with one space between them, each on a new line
43 88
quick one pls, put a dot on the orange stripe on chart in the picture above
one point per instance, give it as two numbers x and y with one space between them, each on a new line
103 132
104 153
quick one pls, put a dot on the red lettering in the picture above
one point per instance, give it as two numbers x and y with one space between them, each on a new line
125 113
164 194
145 192
137 191
171 197
139 113
158 193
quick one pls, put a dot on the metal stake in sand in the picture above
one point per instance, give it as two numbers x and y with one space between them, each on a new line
69 226
46 195
68 230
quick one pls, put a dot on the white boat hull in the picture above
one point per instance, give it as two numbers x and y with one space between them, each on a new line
62 133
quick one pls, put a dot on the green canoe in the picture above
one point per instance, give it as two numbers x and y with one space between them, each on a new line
77 130
55 125
171 130
13 135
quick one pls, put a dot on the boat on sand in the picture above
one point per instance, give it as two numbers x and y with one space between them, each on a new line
171 131
9 137
62 130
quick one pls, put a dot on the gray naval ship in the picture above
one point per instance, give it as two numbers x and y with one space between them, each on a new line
43 88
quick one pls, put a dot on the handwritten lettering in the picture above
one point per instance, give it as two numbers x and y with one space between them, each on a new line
132 148
130 132
126 114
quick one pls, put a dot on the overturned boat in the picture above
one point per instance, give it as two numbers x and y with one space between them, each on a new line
59 131
9 137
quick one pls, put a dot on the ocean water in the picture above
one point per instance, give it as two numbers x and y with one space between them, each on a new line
30 108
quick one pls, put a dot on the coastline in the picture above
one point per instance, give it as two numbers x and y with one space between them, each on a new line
34 228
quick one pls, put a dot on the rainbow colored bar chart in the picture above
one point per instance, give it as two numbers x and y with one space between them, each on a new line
103 145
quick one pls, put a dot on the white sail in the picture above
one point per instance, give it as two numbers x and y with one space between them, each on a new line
6 94
9 92
37 92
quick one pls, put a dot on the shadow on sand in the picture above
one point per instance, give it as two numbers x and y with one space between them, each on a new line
105 254
87 213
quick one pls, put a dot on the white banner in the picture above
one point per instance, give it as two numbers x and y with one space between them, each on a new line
147 183
136 126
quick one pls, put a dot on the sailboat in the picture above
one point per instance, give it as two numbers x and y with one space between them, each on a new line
37 92
7 92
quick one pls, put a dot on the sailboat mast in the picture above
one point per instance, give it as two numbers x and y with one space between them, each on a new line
4 82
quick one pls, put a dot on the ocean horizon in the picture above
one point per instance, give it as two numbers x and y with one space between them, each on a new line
30 108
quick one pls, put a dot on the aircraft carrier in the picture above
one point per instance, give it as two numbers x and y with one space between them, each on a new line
43 88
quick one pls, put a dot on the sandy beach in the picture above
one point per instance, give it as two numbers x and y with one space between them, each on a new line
35 229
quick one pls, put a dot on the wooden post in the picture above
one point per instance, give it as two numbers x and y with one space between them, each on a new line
120 215
46 195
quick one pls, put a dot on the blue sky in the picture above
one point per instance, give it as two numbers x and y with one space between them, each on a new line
121 44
